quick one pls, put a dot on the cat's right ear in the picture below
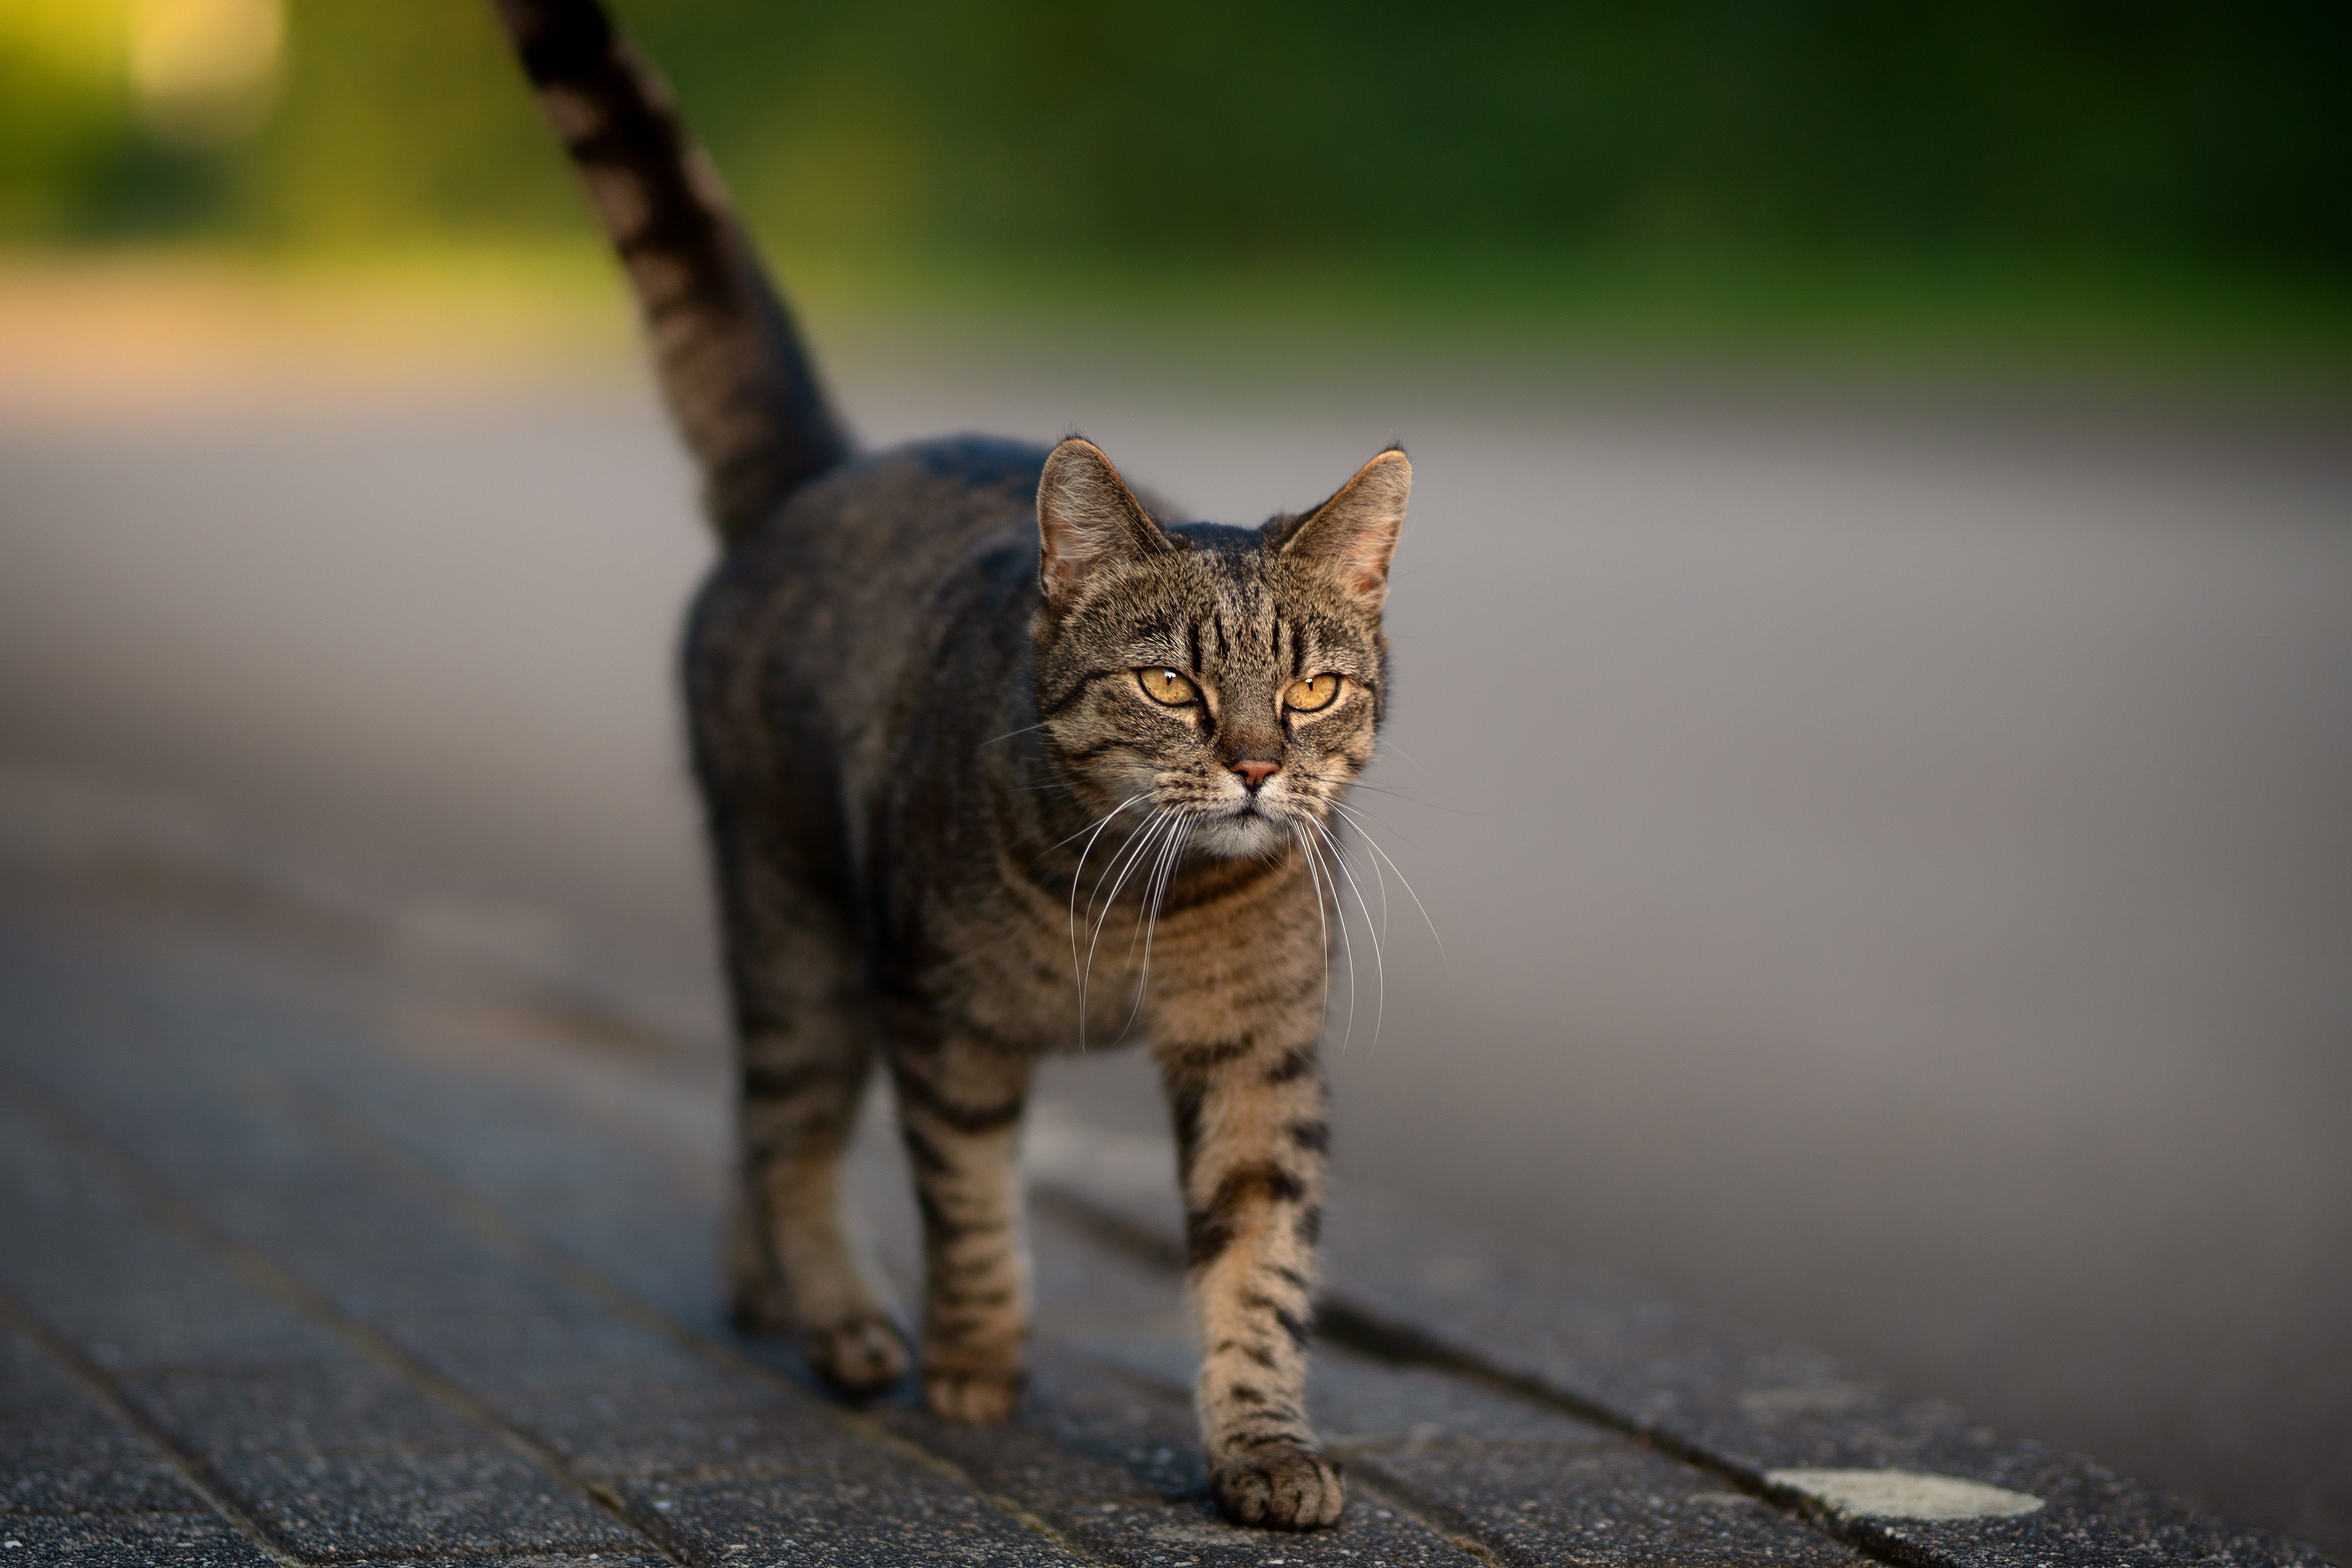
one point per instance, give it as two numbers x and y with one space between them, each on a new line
1087 516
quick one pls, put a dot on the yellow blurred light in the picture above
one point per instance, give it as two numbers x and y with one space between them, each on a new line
73 38
205 71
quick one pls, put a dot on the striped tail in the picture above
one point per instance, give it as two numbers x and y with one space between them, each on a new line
730 362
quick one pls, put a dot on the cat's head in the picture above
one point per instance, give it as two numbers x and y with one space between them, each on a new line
1232 676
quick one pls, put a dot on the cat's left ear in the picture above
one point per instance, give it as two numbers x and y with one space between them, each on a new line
1356 530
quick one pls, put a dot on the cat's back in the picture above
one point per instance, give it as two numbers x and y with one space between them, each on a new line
855 565
815 630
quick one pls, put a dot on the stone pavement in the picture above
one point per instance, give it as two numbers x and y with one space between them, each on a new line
318 1249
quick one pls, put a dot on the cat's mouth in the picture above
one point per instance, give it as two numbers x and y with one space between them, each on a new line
1251 827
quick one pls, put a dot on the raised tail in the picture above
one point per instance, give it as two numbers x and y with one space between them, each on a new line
731 364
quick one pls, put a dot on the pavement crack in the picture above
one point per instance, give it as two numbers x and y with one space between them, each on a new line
176 1214
188 1467
486 1222
1368 1333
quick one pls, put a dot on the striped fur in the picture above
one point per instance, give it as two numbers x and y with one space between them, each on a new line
953 829
730 362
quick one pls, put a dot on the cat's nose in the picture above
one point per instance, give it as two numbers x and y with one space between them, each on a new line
1255 773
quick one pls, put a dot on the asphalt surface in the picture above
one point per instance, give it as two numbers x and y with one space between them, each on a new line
1892 868
318 1248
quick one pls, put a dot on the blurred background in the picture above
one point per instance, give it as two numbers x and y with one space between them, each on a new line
1874 723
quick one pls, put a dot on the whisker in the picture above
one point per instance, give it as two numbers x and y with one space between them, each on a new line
1154 882
1165 872
1010 733
1409 798
1315 876
1406 882
1380 962
1130 851
1380 875
1075 877
1347 940
1129 858
1351 786
1385 744
1099 826
1139 850
1334 799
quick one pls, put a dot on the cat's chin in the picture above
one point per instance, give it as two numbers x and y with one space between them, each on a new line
1242 835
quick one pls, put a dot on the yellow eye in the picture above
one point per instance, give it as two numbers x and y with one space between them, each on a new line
1314 691
1168 686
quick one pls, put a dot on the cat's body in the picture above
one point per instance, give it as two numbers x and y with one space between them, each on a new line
996 765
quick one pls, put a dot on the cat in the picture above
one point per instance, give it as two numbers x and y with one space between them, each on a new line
930 691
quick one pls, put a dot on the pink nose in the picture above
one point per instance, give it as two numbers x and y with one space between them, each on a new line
1254 773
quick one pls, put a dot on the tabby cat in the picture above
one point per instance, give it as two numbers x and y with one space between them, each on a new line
959 711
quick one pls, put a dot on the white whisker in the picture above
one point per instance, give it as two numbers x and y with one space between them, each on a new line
1164 872
1347 940
1098 825
1010 733
1076 970
1315 876
1375 845
1123 864
1380 962
1155 883
1394 794
1378 873
1129 858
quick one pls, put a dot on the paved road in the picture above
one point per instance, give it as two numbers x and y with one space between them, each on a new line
316 1249
1893 871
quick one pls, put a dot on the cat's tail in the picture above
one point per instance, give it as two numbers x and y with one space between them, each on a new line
730 362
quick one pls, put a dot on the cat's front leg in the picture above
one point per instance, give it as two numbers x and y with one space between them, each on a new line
960 1099
1251 1140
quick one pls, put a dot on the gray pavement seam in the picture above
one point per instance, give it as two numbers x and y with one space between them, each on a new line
266 1276
1367 1332
100 1388
483 1219
1380 1490
395 1159
485 1223
489 1225
493 1227
1431 1347
1391 1335
2117 1522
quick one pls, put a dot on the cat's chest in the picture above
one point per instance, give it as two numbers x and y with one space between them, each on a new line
1052 973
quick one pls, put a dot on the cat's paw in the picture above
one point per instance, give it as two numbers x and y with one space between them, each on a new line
857 1357
1276 1486
976 1398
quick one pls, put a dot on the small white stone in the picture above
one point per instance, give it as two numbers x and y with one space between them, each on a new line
1904 1494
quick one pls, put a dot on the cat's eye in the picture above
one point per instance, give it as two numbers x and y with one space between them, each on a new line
1168 686
1314 691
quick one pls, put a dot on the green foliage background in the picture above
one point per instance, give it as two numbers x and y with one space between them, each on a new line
1509 149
